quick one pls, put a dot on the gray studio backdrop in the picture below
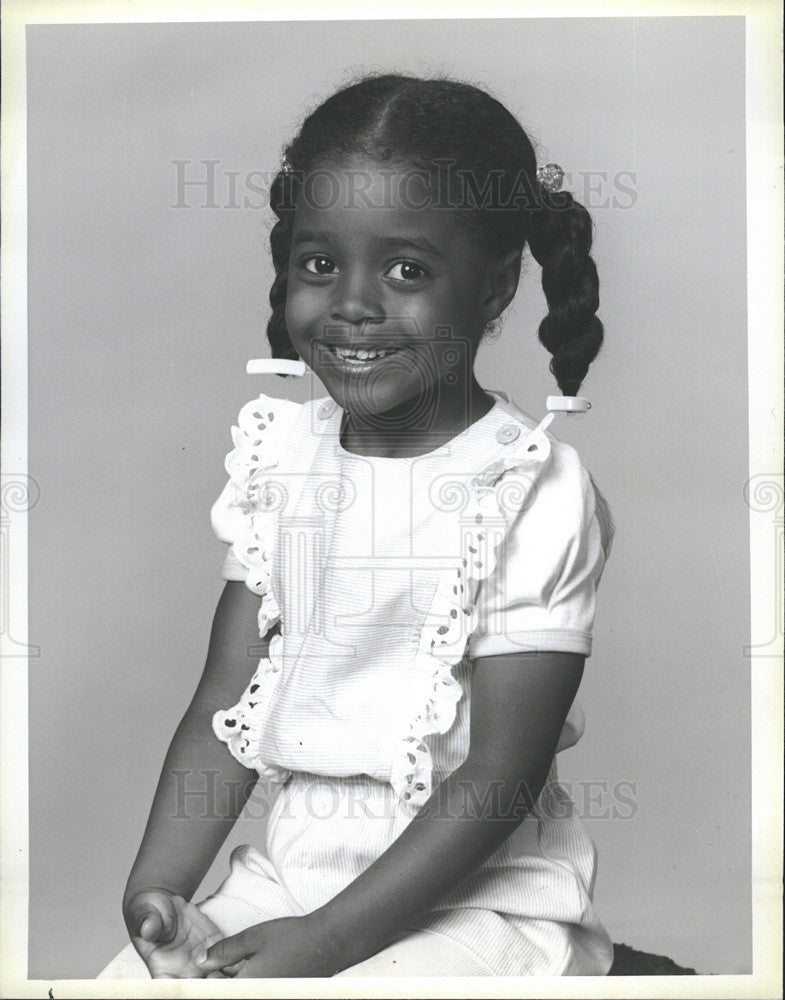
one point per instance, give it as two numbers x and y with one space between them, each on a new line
143 314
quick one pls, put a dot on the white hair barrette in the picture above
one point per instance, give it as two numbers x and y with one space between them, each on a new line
567 404
275 366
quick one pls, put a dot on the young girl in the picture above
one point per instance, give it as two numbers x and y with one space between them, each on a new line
411 580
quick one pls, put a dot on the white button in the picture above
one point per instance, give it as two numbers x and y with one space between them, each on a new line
326 409
508 433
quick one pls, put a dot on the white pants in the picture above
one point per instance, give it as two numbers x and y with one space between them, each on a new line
527 911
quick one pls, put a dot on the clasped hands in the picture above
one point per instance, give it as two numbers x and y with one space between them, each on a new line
177 941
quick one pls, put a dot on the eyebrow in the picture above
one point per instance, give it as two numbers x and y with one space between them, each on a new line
389 242
418 242
311 236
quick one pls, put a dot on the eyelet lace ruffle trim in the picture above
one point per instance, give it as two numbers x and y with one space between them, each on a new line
492 498
245 515
241 727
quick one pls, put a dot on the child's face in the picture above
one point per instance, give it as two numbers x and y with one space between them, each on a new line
373 269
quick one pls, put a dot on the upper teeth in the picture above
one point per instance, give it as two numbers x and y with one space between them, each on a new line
362 355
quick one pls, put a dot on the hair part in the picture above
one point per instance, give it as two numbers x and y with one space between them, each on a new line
492 190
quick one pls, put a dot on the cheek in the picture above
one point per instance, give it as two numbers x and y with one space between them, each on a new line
460 310
300 311
435 311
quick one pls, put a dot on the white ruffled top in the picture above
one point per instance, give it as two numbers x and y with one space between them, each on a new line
389 576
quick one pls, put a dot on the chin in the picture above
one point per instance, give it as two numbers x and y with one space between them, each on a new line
364 400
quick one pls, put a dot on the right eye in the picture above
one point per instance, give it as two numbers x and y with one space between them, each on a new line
319 264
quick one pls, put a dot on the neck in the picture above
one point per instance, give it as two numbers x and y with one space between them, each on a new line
417 426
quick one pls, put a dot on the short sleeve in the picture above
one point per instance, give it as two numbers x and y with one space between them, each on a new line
233 569
541 594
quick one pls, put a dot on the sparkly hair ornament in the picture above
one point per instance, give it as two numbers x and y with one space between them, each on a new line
286 166
550 176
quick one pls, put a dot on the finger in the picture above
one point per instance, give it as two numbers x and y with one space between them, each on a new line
227 952
232 970
168 912
152 925
154 917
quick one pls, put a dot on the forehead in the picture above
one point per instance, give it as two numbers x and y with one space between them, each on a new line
361 196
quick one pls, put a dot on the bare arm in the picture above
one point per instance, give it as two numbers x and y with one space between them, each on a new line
519 704
184 833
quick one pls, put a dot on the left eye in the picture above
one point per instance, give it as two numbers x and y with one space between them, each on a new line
406 270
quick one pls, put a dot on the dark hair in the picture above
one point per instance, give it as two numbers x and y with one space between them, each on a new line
460 132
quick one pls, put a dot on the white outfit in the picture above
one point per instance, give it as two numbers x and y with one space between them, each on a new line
388 576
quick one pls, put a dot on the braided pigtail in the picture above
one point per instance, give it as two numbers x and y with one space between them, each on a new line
282 193
560 238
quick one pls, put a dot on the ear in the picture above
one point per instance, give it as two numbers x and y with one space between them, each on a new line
501 284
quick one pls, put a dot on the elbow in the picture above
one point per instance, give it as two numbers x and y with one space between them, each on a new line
492 791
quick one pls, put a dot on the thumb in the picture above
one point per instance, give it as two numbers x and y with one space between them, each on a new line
226 952
153 917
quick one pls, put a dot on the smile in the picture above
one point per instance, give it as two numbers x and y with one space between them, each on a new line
360 357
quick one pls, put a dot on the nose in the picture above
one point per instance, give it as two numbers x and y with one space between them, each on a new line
356 298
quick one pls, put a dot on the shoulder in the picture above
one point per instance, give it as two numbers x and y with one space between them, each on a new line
270 426
259 437
574 490
277 433
564 491
267 416
559 465
272 415
263 438
568 476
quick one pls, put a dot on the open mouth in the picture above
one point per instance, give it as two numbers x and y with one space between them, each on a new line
361 357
